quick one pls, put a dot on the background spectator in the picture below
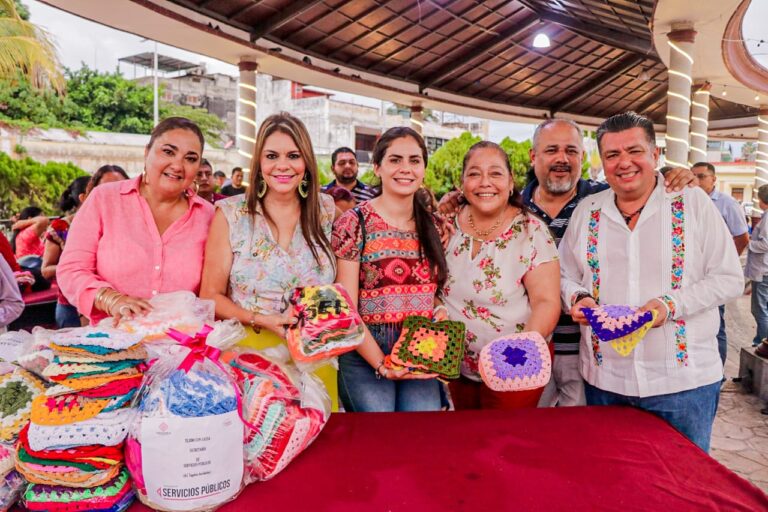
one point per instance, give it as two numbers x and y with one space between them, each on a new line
236 187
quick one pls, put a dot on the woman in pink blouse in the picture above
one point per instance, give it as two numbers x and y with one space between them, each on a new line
134 239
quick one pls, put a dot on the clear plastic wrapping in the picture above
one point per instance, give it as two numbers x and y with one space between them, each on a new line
185 448
289 408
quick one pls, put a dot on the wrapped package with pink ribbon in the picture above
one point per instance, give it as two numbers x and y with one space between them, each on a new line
185 448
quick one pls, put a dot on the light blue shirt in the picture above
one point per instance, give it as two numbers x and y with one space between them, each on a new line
757 252
731 211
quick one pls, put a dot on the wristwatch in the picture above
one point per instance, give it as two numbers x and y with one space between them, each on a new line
579 296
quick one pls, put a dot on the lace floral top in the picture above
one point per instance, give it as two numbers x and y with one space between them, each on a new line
486 292
394 281
264 274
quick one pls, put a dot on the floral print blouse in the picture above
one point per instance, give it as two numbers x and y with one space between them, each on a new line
263 274
487 292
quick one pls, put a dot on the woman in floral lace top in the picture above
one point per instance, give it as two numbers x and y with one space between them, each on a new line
504 276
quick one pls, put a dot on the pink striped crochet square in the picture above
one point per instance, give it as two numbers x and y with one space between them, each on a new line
516 362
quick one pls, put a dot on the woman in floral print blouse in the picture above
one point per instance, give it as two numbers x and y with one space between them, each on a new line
503 273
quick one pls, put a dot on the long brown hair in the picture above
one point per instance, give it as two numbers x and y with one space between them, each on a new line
311 228
430 245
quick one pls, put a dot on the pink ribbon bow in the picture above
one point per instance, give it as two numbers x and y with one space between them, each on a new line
199 350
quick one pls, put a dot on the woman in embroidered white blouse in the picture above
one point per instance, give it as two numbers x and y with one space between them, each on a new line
503 273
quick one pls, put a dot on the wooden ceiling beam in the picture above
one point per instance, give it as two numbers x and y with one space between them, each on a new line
469 57
601 34
619 68
277 20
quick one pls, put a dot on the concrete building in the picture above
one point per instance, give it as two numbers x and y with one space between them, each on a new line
214 92
333 123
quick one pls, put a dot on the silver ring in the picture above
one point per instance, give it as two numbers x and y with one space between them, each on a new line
124 306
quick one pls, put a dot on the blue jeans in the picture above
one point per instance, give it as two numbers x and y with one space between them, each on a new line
361 391
690 412
722 341
67 316
760 309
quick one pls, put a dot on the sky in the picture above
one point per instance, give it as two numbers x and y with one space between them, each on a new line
82 41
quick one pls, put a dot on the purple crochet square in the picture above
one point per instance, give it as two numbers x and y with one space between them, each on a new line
515 359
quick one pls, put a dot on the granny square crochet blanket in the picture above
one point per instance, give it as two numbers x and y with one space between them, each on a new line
516 362
435 347
623 326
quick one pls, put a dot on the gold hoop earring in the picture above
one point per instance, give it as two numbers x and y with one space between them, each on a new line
262 189
304 187
192 190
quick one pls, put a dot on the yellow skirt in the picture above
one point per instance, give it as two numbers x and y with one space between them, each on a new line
267 338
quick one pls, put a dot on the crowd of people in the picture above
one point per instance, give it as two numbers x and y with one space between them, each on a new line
498 259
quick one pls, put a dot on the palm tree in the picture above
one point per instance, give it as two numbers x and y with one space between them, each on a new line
26 51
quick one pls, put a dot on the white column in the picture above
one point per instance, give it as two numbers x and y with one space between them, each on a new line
246 112
417 119
761 158
680 42
699 124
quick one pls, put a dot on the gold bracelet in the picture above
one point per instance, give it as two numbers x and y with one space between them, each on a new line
252 323
99 298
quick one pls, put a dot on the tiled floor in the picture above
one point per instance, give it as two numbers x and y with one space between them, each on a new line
740 434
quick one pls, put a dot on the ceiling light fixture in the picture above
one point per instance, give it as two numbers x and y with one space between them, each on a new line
644 76
725 90
541 41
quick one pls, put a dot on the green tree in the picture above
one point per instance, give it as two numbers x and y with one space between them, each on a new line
28 182
519 159
444 166
211 125
27 50
108 101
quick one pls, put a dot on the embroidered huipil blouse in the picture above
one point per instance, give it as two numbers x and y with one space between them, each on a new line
395 282
487 292
681 252
263 274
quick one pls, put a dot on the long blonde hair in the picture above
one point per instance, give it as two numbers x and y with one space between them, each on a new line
311 228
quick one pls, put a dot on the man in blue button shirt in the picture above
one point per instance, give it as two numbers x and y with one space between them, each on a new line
733 214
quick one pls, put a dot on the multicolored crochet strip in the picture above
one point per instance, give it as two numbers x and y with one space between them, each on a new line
516 362
623 326
101 337
95 354
114 495
435 347
273 403
328 323
107 428
18 389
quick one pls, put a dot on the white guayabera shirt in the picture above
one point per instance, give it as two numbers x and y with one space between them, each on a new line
681 252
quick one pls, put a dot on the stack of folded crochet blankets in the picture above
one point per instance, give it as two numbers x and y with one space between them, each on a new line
72 450
18 388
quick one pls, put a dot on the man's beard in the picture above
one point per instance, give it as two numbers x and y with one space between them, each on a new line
559 187
346 180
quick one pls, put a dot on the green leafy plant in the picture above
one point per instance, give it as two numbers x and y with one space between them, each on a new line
28 182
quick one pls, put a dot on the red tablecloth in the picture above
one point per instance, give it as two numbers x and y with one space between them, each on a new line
586 458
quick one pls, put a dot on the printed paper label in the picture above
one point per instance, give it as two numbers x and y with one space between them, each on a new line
191 463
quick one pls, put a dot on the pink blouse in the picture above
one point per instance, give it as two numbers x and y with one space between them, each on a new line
114 241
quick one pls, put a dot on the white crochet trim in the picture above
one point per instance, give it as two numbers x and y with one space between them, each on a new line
54 369
108 429
117 340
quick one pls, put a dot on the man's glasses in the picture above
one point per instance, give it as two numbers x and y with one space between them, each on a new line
703 175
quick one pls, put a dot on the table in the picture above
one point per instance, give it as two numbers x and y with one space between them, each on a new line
584 458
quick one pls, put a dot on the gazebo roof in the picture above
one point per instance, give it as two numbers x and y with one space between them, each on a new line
475 54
